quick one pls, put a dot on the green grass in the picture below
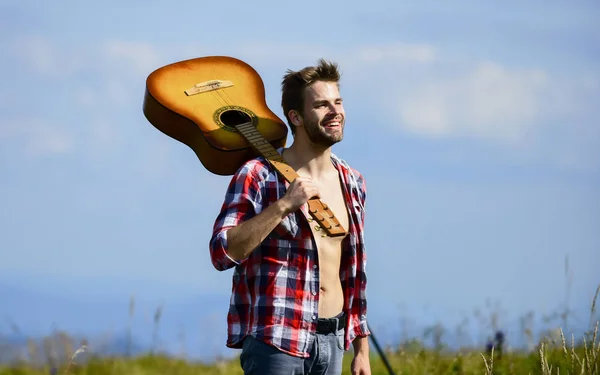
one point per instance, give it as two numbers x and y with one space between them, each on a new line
552 354
551 358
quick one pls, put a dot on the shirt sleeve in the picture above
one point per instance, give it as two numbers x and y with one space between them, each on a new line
242 202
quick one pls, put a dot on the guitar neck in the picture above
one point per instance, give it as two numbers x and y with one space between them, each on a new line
317 209
260 144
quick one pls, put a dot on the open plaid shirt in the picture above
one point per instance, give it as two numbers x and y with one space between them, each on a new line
276 288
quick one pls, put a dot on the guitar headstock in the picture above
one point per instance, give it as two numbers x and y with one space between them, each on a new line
325 217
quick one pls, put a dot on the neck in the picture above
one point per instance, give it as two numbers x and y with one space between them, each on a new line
309 159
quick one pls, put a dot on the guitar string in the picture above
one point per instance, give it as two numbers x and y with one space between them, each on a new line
218 91
218 96
224 96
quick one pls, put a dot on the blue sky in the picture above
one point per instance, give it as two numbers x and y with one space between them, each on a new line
475 124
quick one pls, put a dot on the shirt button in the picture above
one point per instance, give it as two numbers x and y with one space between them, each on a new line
314 317
314 266
314 293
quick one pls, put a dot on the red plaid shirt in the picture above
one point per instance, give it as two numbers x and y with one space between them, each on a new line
275 292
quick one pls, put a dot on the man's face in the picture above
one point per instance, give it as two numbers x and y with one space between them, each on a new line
324 115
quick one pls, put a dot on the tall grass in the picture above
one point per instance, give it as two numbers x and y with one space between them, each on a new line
553 353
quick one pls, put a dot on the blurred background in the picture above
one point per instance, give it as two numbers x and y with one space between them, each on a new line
474 124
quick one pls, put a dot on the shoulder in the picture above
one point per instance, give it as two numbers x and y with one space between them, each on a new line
255 168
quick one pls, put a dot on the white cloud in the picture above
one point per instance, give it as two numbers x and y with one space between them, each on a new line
39 138
87 97
104 98
354 57
138 57
157 156
46 57
534 114
486 101
49 58
490 101
397 52
38 52
50 141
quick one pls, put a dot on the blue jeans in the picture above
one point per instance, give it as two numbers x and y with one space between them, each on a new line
259 358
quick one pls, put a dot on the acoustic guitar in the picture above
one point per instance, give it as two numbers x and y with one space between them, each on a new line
216 106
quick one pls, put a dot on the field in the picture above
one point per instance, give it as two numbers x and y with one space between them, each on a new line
553 353
551 358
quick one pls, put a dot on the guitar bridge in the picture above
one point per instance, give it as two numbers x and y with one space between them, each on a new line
206 86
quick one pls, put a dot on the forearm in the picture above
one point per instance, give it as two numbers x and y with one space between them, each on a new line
245 237
361 345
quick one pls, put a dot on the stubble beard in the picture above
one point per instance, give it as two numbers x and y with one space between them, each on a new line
317 134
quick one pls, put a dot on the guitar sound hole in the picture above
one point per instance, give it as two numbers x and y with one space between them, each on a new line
234 118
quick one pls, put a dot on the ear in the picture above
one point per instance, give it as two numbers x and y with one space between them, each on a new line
295 117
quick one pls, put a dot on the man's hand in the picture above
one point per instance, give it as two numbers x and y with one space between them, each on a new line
245 237
300 191
360 364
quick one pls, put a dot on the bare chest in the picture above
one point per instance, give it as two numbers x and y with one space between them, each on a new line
330 247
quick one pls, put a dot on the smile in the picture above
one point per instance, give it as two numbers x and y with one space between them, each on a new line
332 124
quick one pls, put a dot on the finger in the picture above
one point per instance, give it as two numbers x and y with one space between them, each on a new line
312 191
303 185
302 179
306 185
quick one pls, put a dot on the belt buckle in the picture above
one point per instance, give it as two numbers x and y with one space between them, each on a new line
331 324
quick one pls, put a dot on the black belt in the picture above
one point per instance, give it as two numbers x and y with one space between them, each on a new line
329 325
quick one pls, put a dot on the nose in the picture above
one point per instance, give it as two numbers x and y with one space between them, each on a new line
335 108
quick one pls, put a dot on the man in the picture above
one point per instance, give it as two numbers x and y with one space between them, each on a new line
298 299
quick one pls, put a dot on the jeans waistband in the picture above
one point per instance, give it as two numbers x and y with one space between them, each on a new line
329 325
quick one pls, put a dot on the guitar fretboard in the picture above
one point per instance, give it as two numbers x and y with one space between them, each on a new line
258 141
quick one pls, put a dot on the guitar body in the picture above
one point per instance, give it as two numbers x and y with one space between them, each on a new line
199 102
